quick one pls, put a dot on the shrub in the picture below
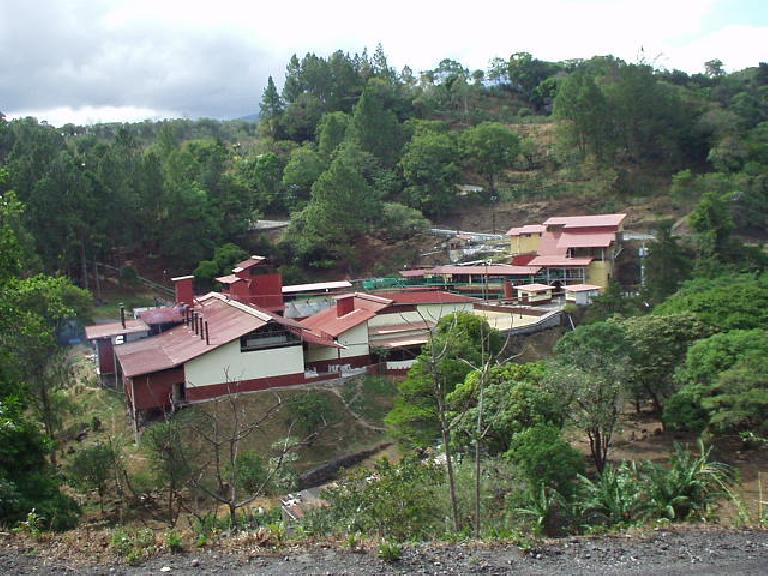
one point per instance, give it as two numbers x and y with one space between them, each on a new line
547 459
683 411
394 500
688 488
173 541
390 551
545 510
614 498
399 222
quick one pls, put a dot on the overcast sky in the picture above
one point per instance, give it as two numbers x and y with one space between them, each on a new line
86 61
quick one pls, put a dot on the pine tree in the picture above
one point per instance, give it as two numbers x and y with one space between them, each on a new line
271 109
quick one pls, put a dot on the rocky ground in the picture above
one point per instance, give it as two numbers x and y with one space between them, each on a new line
673 552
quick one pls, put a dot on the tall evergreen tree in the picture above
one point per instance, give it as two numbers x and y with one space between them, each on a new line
271 109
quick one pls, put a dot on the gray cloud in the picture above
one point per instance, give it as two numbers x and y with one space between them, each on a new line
65 55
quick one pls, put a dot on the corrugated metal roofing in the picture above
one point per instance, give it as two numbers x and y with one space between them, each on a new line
492 270
227 321
316 286
586 221
548 245
252 261
229 279
413 273
163 315
327 321
585 239
97 331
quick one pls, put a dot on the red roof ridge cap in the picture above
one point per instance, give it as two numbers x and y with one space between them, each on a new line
239 306
372 298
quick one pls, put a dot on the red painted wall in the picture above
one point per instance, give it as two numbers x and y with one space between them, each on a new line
154 390
106 354
266 290
216 390
522 259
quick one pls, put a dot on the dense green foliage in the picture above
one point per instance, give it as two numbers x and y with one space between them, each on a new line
727 302
588 374
659 346
723 384
513 401
459 344
546 459
33 308
392 500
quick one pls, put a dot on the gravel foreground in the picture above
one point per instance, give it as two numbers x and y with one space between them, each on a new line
700 552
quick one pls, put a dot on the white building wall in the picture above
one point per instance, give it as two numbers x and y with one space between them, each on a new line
229 363
356 342
431 312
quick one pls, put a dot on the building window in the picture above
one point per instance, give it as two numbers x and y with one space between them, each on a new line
272 335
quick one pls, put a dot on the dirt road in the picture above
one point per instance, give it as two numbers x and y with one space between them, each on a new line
672 552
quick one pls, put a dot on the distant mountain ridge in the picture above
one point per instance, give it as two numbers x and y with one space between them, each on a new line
249 117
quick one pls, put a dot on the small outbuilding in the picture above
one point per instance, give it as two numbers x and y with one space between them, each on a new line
534 293
581 293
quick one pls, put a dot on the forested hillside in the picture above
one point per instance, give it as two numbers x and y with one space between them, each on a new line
353 149
358 155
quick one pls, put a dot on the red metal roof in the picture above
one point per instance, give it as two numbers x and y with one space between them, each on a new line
252 261
97 331
227 321
492 270
229 279
163 315
414 273
319 339
328 322
586 221
560 261
424 296
585 239
548 246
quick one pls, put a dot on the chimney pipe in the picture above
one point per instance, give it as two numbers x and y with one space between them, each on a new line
122 314
202 334
345 304
194 321
207 340
185 290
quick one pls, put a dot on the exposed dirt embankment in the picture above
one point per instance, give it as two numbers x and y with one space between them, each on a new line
701 551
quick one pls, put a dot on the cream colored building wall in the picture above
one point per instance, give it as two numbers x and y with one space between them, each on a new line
355 340
228 363
431 312
536 296
598 273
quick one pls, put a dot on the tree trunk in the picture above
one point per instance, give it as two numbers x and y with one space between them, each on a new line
232 515
83 262
478 434
449 467
47 416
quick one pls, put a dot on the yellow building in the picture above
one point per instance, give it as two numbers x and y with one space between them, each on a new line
525 240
